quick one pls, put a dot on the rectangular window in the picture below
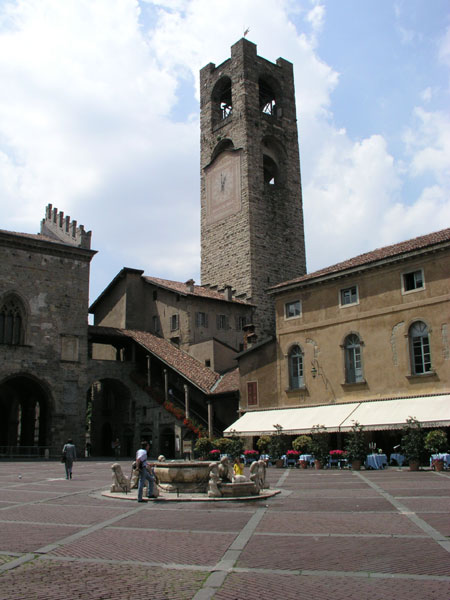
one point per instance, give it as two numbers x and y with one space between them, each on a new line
155 324
201 319
348 296
241 322
252 393
413 281
174 322
292 309
222 322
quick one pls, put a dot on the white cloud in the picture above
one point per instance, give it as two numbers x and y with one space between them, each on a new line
89 93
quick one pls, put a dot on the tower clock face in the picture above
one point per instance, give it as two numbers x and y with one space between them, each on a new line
223 187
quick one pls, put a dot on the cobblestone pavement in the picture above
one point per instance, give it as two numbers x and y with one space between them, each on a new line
373 535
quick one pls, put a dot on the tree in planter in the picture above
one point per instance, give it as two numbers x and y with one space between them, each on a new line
413 441
320 445
436 441
278 443
355 445
302 444
202 447
263 444
236 446
223 444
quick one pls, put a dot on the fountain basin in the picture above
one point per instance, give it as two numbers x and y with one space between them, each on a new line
184 477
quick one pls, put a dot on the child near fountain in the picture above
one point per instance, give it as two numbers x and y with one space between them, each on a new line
238 467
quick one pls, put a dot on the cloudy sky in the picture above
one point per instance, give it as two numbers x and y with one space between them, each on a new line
99 116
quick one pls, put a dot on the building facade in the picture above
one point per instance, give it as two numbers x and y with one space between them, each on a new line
373 328
251 203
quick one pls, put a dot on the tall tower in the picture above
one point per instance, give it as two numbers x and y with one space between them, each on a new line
251 202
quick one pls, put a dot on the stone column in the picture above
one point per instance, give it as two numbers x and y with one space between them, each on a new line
186 400
210 418
166 385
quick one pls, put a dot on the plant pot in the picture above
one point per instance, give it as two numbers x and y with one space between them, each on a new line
279 463
317 465
438 465
414 465
303 464
356 465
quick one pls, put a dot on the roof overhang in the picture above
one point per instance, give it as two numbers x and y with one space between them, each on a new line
374 415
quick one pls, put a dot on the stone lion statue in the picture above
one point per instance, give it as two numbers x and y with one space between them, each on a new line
120 483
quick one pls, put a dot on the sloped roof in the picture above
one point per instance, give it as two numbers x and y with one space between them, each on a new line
364 260
197 290
179 360
229 382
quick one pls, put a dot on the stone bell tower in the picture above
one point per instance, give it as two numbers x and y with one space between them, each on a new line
251 202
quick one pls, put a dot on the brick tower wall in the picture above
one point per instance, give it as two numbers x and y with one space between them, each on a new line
254 238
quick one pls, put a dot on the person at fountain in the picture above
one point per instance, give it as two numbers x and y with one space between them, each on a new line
145 475
238 467
70 453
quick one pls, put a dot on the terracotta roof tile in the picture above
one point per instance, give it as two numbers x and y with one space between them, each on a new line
197 290
34 236
367 258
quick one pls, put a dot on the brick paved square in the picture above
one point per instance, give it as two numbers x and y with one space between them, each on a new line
331 504
46 513
260 586
189 520
50 580
163 547
427 504
18 537
440 521
382 555
338 522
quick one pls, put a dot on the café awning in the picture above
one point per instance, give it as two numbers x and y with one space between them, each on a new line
430 411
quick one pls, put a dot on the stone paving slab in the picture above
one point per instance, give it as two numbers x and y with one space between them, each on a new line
363 554
261 586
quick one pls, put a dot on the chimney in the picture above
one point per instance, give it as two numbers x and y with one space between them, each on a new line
190 285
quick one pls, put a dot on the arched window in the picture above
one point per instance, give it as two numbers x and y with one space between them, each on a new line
353 367
11 322
222 100
267 100
295 368
419 344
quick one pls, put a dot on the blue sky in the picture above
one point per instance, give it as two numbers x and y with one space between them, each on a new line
99 116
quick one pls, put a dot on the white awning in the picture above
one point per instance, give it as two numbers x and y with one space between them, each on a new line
430 411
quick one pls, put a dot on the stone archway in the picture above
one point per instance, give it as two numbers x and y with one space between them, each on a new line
108 417
24 412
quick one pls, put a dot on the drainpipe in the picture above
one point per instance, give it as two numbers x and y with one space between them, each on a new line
210 418
166 385
148 371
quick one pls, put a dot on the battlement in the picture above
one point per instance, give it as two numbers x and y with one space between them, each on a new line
57 226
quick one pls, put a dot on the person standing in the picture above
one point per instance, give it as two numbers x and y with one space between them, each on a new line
70 452
144 474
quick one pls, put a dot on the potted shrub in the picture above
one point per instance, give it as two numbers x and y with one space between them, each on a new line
355 446
224 445
413 443
292 455
236 446
435 443
320 446
263 444
277 446
202 447
302 444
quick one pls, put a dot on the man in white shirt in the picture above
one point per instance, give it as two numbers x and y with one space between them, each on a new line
144 474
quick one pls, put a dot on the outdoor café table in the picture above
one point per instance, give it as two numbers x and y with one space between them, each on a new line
308 457
376 461
399 459
445 457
